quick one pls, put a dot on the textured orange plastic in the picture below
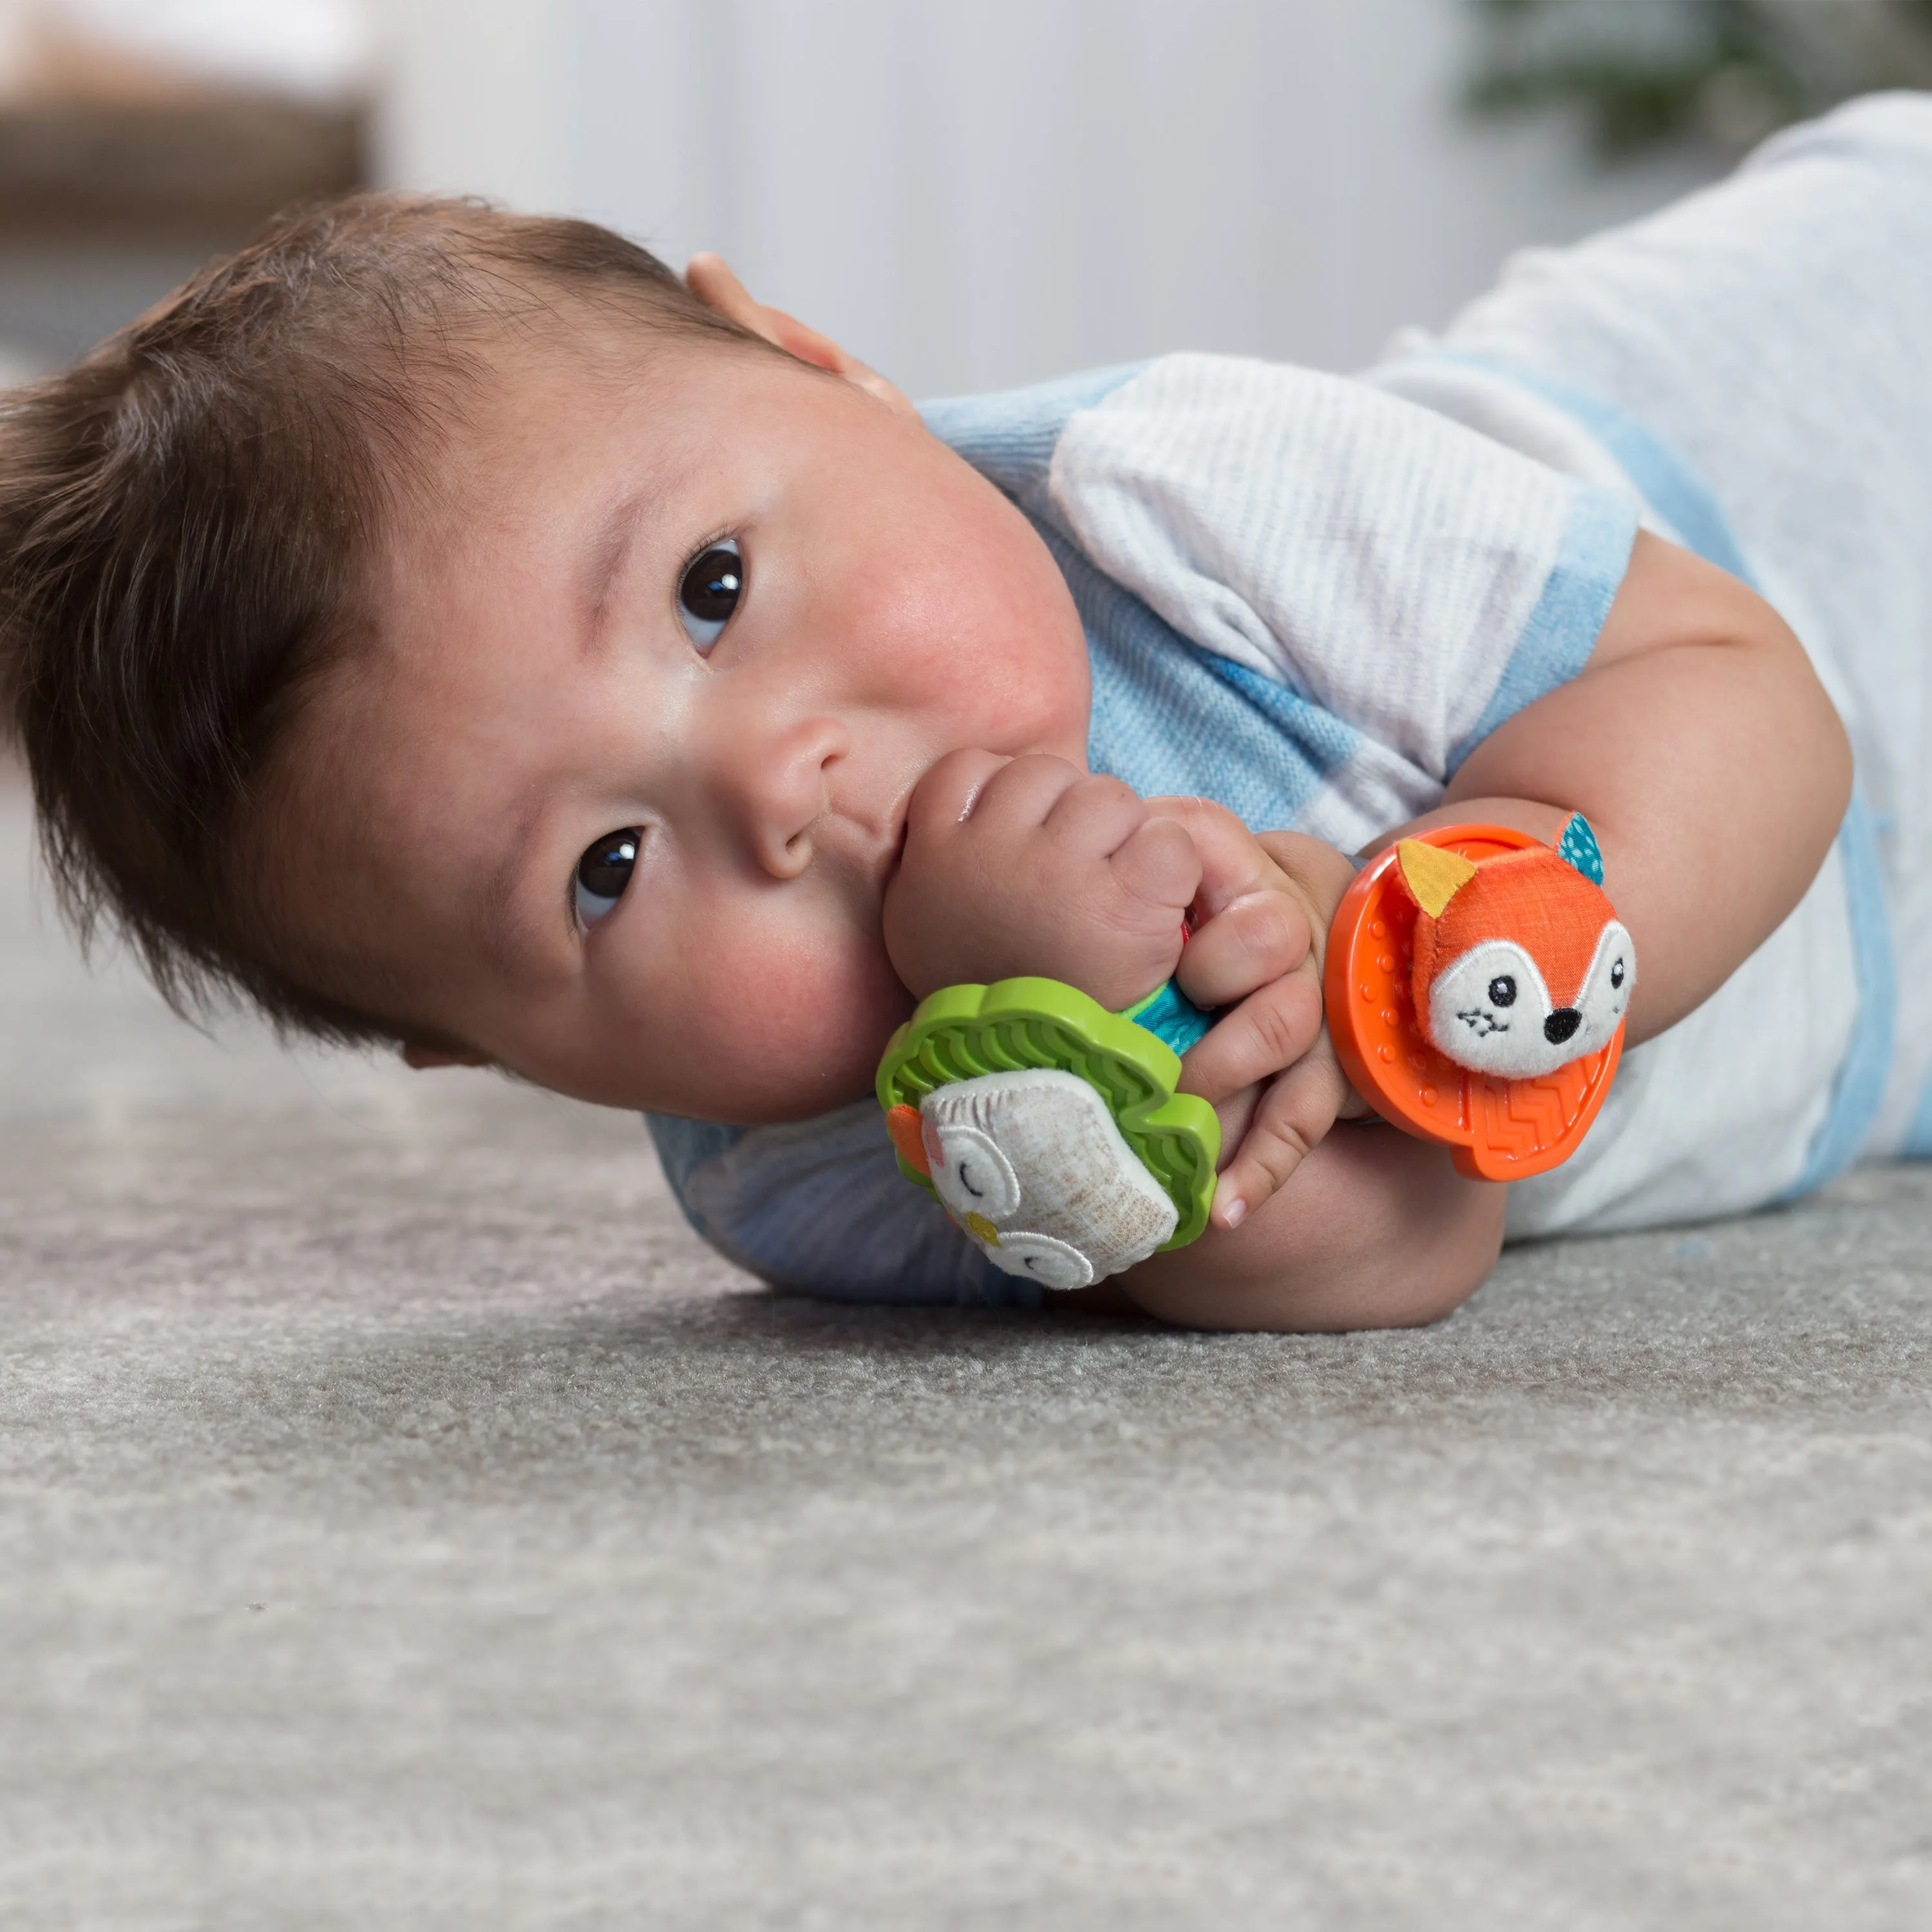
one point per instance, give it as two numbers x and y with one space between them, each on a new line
1499 1129
903 1124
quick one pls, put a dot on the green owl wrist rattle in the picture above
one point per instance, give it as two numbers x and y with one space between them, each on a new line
1050 1128
1475 986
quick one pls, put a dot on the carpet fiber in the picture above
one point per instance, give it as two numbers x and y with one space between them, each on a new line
407 1524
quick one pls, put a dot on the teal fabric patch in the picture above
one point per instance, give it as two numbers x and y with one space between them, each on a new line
1578 847
1171 1017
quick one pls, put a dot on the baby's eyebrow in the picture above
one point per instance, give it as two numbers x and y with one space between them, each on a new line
603 560
501 927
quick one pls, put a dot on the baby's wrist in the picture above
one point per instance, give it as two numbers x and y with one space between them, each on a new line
940 933
1117 975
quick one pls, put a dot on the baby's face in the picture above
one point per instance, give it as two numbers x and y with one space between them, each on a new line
615 797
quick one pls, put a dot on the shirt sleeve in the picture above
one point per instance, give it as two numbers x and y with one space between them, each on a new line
820 1208
1404 572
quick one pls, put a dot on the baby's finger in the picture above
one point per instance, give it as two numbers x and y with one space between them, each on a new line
1269 1031
1158 866
1295 1111
948 792
1095 816
1022 794
1256 940
1234 863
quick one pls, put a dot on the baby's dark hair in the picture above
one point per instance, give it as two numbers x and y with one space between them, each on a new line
186 519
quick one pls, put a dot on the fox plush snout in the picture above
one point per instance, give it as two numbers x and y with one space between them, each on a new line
1520 964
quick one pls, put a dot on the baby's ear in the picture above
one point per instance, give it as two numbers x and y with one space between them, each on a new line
423 1057
710 278
1433 876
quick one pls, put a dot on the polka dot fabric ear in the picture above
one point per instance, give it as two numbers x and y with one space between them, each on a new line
1577 847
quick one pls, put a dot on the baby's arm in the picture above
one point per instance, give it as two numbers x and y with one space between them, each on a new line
1701 746
1707 758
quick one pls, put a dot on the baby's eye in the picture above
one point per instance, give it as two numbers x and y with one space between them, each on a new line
708 592
603 873
1502 991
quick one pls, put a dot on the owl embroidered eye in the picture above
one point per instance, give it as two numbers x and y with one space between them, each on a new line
603 873
709 591
1502 991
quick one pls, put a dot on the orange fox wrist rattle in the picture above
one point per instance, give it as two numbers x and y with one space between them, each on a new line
1476 984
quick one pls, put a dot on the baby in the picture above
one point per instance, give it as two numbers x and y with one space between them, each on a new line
450 629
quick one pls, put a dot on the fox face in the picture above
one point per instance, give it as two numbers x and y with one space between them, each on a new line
1520 964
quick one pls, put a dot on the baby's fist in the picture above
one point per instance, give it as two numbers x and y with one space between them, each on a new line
1030 864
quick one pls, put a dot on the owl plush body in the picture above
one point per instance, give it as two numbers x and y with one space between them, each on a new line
1520 964
1050 1128
1032 1165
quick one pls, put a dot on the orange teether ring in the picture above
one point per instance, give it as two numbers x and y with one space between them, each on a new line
1499 1129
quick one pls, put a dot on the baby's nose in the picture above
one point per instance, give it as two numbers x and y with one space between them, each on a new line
781 781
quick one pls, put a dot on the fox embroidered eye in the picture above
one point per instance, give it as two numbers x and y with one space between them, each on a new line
603 873
709 591
1617 975
1502 991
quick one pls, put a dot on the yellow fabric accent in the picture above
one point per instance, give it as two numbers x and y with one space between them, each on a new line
980 1225
1433 875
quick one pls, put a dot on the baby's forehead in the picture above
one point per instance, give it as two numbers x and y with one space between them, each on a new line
538 412
589 357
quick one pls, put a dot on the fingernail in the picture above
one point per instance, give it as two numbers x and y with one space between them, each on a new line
1234 1213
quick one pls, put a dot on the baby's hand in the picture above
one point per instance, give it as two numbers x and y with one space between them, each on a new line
1030 865
1264 907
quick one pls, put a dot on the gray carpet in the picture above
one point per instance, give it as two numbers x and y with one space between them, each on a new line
407 1524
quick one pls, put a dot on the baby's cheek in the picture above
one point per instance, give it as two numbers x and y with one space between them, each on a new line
780 1032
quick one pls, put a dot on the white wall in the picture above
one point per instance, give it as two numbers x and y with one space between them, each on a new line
971 195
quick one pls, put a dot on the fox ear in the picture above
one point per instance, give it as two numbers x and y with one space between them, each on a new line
1577 846
1433 876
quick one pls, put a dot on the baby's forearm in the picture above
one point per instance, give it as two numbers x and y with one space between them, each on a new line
1372 1230
1709 761
1700 745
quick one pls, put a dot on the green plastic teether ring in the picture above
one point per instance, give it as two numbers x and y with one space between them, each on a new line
960 1032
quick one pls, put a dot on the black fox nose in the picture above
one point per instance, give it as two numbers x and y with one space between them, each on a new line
1560 1024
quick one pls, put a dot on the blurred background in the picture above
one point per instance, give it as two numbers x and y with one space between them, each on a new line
969 197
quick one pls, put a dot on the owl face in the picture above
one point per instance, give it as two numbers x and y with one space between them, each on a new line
1033 1166
1492 1009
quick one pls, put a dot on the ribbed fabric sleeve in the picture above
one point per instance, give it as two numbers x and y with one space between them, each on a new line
1414 580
